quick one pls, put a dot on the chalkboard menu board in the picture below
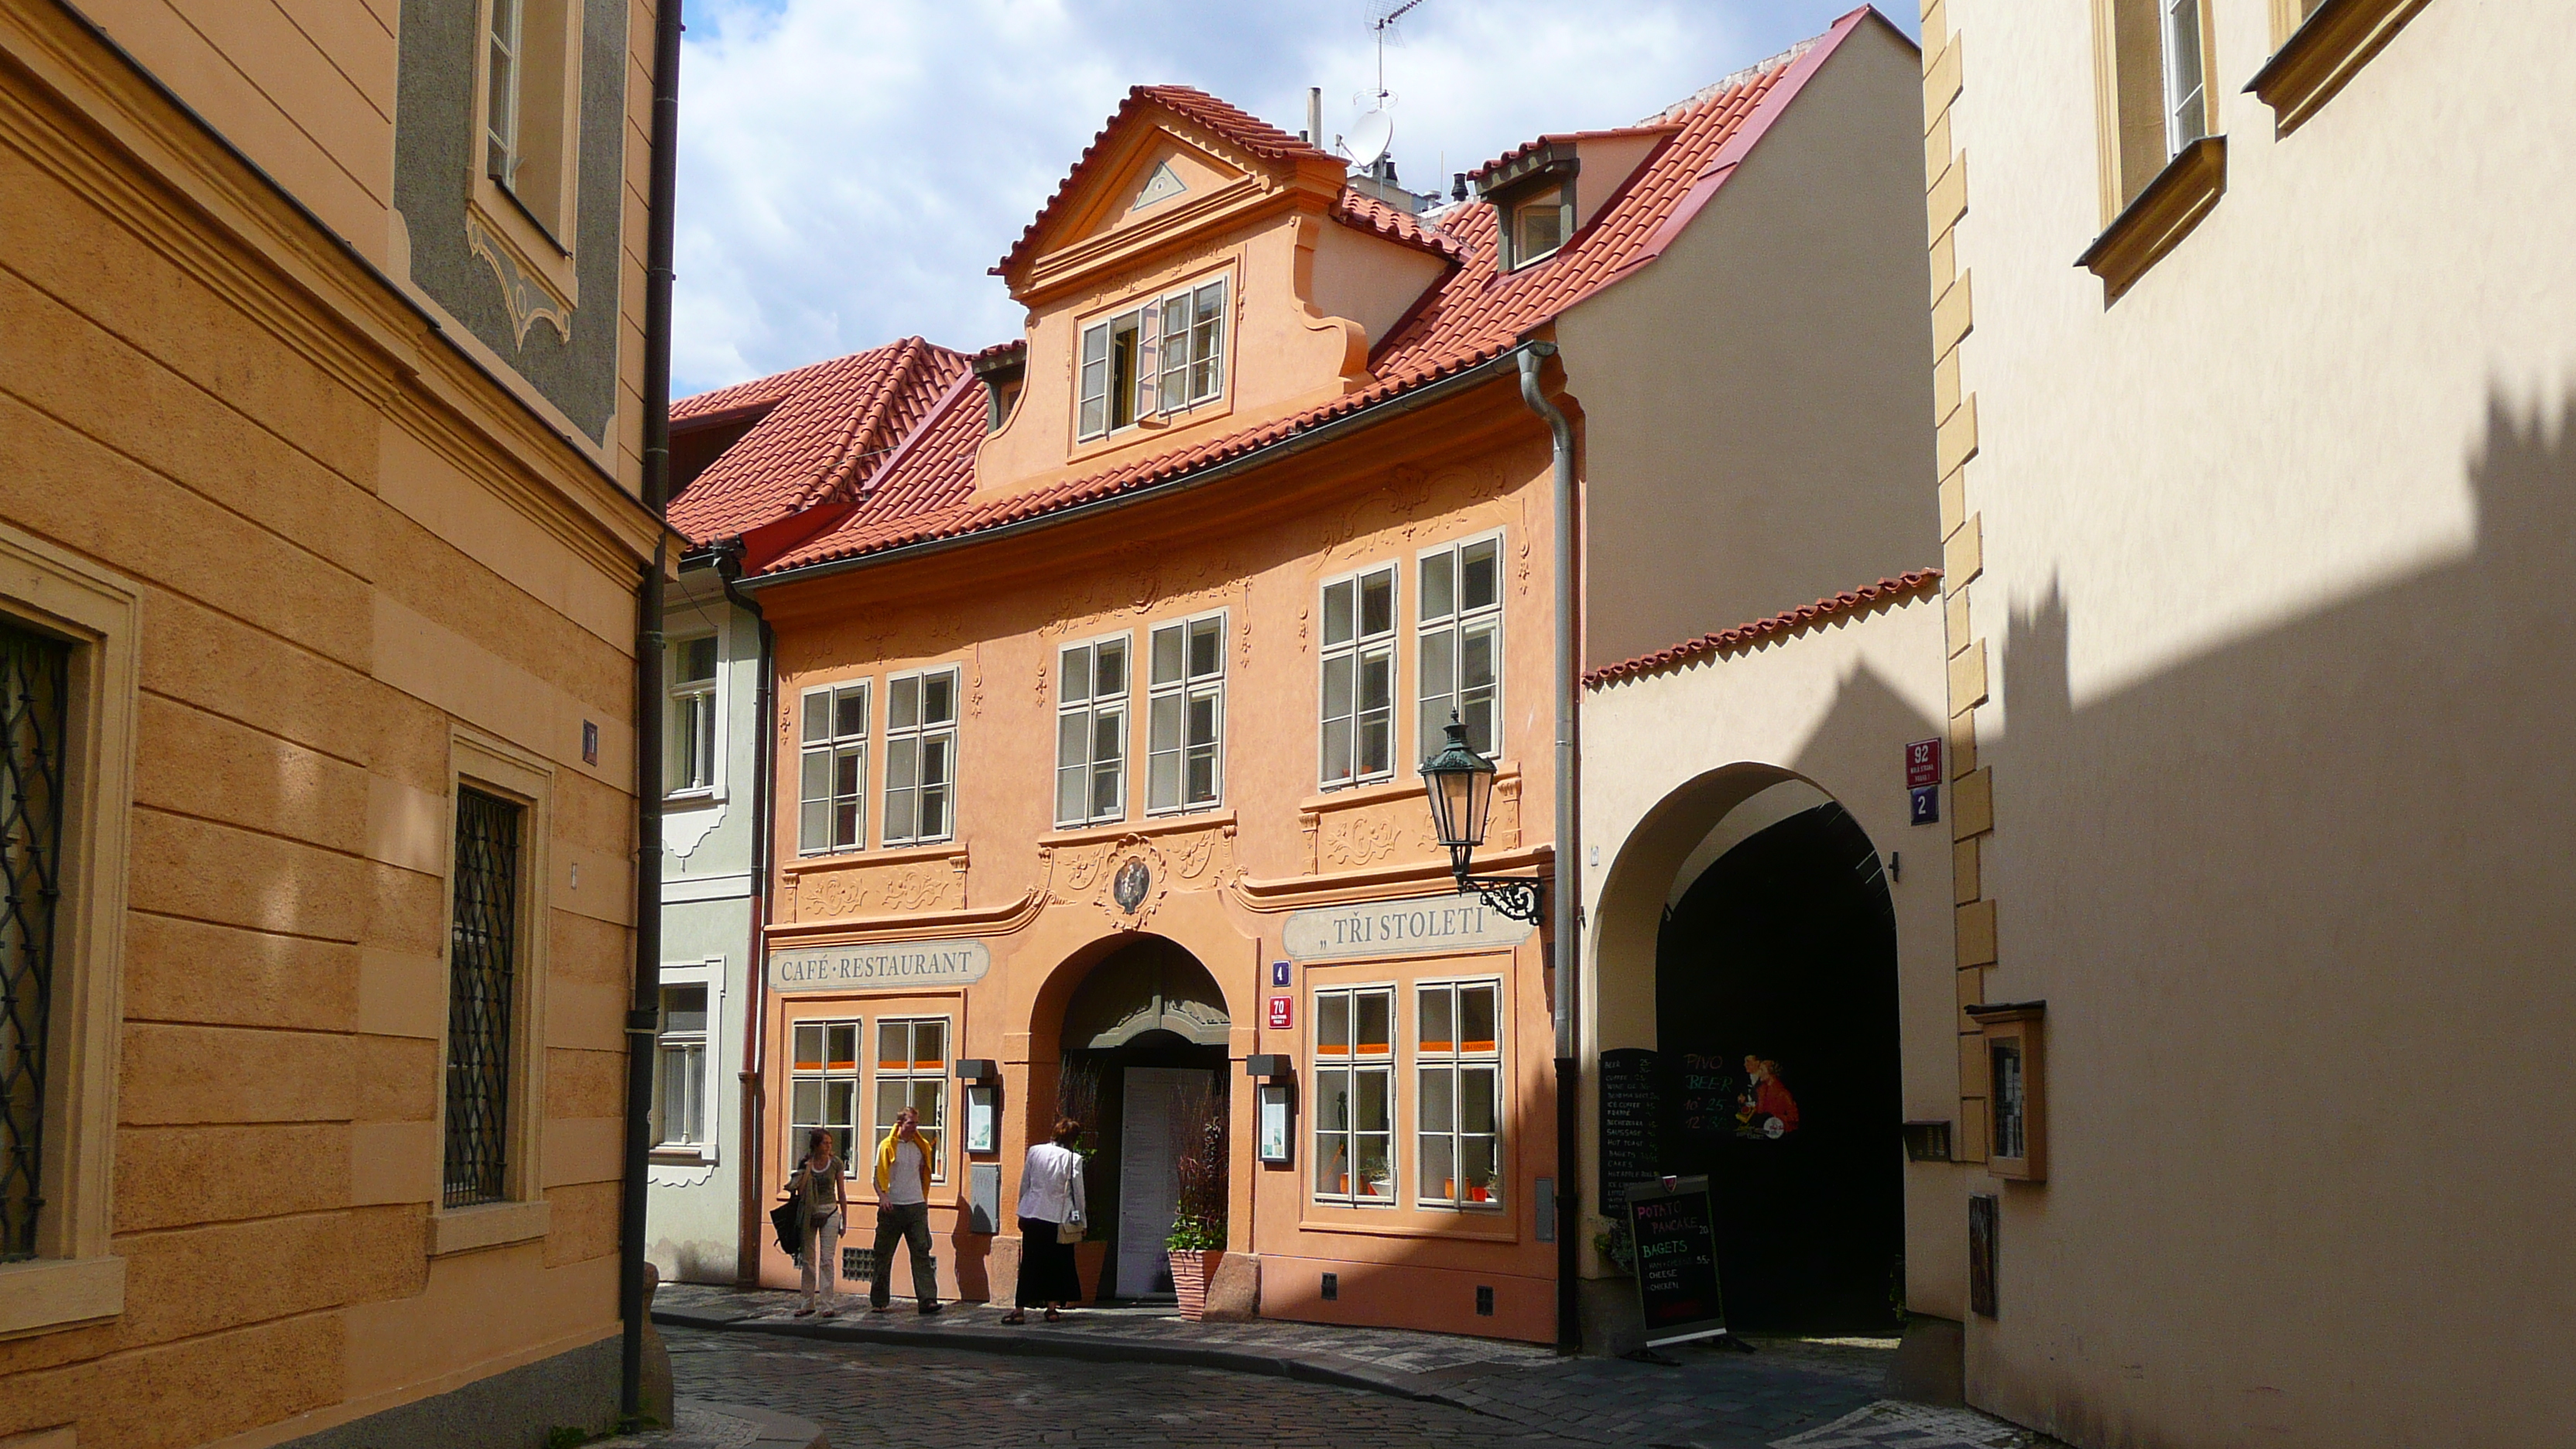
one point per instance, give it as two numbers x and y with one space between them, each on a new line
1630 1130
1674 1229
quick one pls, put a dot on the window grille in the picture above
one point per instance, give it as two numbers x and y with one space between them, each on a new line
482 972
35 689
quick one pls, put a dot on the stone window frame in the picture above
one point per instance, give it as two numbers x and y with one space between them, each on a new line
76 1279
709 973
2153 191
536 228
492 766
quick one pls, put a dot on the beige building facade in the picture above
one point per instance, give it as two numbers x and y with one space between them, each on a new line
2254 384
321 538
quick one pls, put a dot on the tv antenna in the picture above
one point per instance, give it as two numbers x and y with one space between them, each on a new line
1382 17
1373 133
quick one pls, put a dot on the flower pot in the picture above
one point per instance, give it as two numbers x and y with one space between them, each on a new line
1190 1274
1089 1257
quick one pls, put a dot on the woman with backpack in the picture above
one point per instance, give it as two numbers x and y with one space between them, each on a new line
822 1189
1051 1222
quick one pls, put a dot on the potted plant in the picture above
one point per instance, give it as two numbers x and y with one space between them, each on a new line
1197 1240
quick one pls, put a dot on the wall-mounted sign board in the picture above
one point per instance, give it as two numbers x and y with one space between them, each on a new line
879 966
1429 925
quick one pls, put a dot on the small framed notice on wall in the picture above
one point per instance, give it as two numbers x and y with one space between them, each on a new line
982 1117
1276 1139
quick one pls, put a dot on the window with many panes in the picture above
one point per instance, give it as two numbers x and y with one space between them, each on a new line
1163 356
1091 732
680 1067
1457 1059
920 756
833 770
690 730
482 997
823 1087
1358 691
912 1071
1458 637
1185 715
35 697
1355 1095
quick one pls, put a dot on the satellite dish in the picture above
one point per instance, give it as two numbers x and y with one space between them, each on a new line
1369 139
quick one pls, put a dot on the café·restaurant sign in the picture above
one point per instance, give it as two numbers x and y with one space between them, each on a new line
1402 928
879 966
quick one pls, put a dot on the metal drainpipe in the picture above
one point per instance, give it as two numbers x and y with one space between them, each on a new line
754 1072
643 1010
1567 888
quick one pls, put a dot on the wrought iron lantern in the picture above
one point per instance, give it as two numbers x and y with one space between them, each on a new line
1461 786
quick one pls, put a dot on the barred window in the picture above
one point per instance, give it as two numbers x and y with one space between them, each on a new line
1458 1127
1355 1096
35 688
1091 732
482 981
834 770
921 756
912 1071
824 1090
1358 742
1459 637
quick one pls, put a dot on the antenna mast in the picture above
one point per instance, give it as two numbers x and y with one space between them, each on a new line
1381 25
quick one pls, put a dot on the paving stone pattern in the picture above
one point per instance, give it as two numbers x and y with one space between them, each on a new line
1713 1398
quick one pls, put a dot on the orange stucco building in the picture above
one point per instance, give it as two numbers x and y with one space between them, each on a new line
1100 689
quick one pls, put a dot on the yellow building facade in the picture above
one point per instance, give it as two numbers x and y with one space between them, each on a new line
321 537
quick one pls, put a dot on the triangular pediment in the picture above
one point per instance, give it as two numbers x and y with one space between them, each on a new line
1163 185
1158 174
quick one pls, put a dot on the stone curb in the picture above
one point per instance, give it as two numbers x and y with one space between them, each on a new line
1090 1345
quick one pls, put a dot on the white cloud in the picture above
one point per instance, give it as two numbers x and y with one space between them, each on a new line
849 169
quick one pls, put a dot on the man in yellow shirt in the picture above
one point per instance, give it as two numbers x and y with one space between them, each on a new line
903 1212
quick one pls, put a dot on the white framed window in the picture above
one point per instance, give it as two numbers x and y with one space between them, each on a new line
1185 715
1092 686
912 1071
532 81
683 1089
921 757
1164 355
1458 640
833 769
823 1085
1355 1095
2186 94
689 727
1539 228
1458 1066
1357 693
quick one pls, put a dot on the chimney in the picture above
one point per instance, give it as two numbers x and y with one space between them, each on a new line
1315 117
1458 186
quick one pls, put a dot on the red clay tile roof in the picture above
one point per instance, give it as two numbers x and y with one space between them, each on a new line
1238 127
1745 636
1474 315
827 428
1372 215
1560 138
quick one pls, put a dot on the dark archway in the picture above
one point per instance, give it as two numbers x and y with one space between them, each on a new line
1784 951
1146 1030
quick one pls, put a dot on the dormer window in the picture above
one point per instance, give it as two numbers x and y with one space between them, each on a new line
1161 357
1538 229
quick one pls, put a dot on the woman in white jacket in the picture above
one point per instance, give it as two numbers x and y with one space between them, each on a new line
1051 1222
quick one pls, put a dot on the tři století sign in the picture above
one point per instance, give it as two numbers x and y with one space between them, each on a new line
1674 1230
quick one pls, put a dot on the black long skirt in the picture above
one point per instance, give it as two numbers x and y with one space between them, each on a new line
1048 1273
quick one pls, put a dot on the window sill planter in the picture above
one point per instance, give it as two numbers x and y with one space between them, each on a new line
2323 53
2160 218
1191 1274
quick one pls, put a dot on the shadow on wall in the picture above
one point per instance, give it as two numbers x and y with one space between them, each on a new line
2301 909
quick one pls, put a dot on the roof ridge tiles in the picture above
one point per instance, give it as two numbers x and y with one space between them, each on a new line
1787 621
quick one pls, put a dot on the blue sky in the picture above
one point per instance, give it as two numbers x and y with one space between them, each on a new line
849 169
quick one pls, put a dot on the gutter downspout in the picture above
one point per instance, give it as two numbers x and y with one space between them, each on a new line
1567 888
643 1009
755 1066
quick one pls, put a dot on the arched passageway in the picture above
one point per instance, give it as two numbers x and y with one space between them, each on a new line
1144 1042
1776 1025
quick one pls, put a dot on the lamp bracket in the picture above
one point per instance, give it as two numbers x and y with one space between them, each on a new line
1518 897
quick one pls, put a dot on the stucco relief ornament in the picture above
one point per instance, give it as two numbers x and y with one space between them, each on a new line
1362 840
1136 884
